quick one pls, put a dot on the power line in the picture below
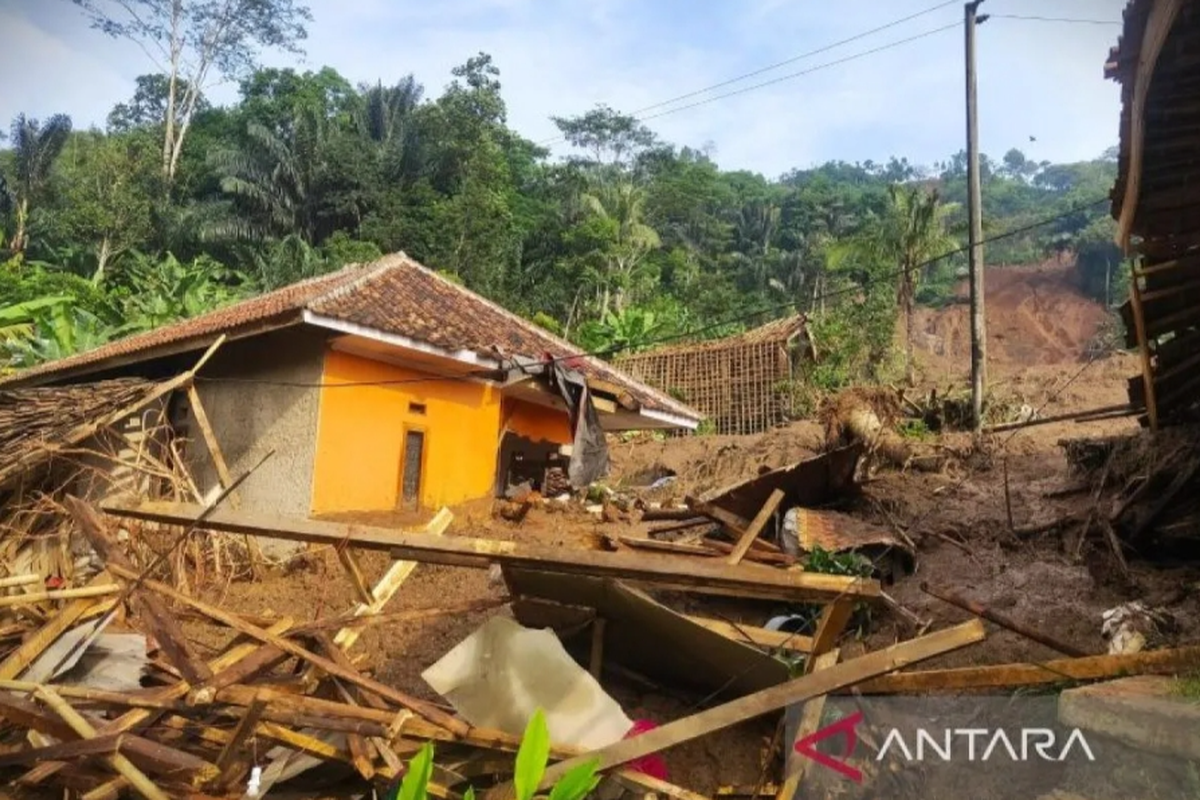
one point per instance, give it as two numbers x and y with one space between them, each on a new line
793 59
773 81
1054 19
689 334
792 75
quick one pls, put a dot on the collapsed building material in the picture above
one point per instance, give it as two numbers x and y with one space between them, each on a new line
501 674
687 574
810 483
1090 668
644 635
835 677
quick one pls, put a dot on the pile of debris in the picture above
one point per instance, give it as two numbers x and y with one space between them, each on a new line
103 694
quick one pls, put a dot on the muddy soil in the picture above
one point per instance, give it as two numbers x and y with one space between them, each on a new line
961 520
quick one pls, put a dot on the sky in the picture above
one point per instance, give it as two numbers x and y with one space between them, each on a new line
1037 78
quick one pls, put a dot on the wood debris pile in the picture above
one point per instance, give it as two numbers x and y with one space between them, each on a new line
1145 496
103 695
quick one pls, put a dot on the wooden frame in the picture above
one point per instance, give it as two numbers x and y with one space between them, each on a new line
402 502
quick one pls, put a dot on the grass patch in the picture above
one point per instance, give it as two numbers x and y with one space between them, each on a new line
1189 686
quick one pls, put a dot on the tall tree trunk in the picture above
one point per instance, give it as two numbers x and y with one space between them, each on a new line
909 335
168 152
19 237
103 254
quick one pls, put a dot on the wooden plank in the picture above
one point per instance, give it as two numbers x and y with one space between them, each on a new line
355 573
137 716
29 650
751 634
810 721
66 751
1091 668
162 624
830 625
30 598
596 654
755 527
1154 37
263 659
755 705
421 707
1139 326
137 779
697 575
231 761
210 440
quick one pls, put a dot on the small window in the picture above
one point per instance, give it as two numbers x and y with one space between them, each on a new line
416 408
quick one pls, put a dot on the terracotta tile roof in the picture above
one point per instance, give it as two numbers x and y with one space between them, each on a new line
404 298
281 305
394 295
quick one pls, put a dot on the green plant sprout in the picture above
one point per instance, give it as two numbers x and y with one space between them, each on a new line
532 758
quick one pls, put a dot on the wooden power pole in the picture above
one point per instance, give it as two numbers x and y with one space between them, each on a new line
974 192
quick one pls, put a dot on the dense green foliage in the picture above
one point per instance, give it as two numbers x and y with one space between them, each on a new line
630 241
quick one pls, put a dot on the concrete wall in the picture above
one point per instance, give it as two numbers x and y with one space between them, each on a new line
250 418
365 429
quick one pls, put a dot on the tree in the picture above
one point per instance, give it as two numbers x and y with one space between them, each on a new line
911 232
103 200
619 206
35 147
276 179
194 42
610 137
148 106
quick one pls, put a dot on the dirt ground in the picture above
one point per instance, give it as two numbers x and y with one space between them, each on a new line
1041 330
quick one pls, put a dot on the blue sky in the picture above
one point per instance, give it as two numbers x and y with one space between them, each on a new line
561 57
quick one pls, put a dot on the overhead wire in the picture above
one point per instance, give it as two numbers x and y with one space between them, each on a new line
1055 19
772 67
692 333
792 60
782 78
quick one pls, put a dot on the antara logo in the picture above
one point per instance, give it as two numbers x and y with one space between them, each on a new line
951 744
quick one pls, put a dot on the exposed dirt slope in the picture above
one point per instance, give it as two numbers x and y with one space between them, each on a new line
1035 315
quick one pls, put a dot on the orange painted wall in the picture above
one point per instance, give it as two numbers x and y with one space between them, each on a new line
536 422
361 431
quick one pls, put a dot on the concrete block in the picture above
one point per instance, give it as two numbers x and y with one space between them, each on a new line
1146 712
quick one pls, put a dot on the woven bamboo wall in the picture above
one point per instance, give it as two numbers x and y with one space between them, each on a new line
738 387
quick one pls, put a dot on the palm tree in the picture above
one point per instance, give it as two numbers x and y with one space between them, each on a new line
35 147
911 233
621 204
275 178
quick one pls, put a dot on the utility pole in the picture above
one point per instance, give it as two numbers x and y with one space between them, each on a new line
974 203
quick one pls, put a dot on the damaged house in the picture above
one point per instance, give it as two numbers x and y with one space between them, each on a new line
741 383
377 387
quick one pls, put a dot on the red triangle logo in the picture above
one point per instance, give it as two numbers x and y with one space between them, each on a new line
843 727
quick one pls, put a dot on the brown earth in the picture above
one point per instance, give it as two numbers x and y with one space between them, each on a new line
1035 315
1040 332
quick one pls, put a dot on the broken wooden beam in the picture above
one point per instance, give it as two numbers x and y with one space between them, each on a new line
755 527
1004 621
697 575
161 623
1089 668
754 705
421 707
752 634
